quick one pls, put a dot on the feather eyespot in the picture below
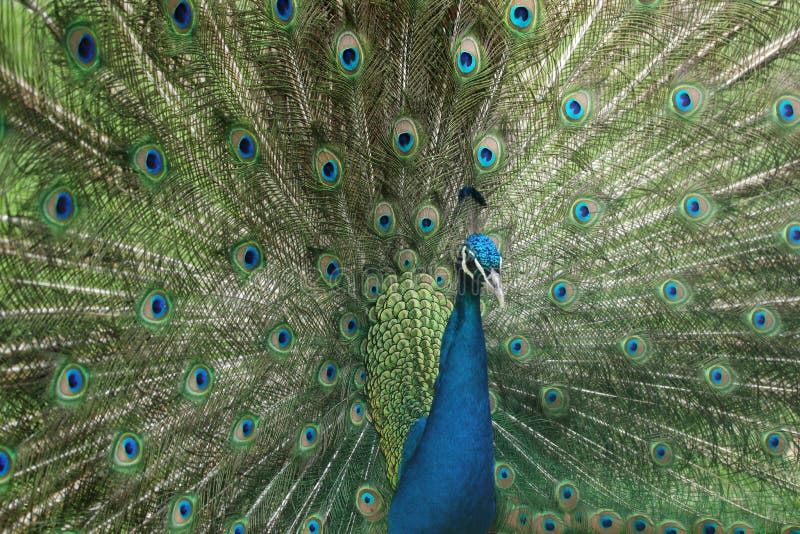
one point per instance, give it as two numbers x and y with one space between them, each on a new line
328 374
518 348
150 162
71 384
427 221
661 453
383 220
584 212
330 268
182 512
82 47
407 260
555 401
126 453
741 528
503 476
763 321
349 53
357 412
360 377
59 207
671 527
720 377
369 503
371 287
467 58
708 526
283 11
695 208
244 430
640 524
635 349
567 496
521 16
239 526
562 293
348 326
606 522
686 100
7 460
441 277
673 292
405 137
787 110
309 437
198 382
576 107
247 258
243 144
520 519
181 15
791 235
328 167
775 443
154 309
548 523
488 153
313 525
281 339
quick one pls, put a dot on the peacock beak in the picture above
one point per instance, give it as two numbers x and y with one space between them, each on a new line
494 285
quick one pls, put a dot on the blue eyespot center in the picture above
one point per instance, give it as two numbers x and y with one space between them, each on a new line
182 15
661 451
466 62
560 291
683 100
633 346
794 235
283 338
787 110
521 17
486 156
238 529
64 205
739 531
407 263
363 375
439 280
582 212
693 206
251 257
246 147
384 221
284 9
359 409
522 519
426 224
332 269
516 347
552 397
639 525
367 498
86 48
74 380
709 528
311 435
313 526
549 525
404 141
373 290
349 58
330 171
351 326
247 427
566 494
574 109
671 291
774 441
5 463
716 376
607 521
671 530
330 371
158 306
201 378
153 162
760 319
185 508
131 447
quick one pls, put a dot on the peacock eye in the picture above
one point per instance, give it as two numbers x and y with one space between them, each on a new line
763 321
283 11
640 523
520 16
555 402
791 235
673 291
369 503
442 277
182 511
360 377
605 521
407 260
661 453
775 443
181 14
244 145
82 47
71 384
349 53
329 267
197 383
328 374
695 207
58 207
309 435
787 110
575 107
6 465
719 377
313 525
635 349
357 412
427 221
562 293
383 220
584 212
371 287
487 153
126 453
155 308
247 258
567 496
328 167
467 57
708 526
405 137
517 348
244 430
686 100
503 476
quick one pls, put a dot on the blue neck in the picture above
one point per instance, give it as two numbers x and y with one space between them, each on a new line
448 483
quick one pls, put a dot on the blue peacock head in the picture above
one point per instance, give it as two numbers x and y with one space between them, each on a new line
479 256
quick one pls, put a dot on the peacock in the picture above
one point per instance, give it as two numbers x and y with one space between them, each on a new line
329 266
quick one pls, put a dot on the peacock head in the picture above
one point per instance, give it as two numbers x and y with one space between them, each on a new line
479 256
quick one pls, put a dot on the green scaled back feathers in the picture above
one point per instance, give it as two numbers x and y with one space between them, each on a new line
228 233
